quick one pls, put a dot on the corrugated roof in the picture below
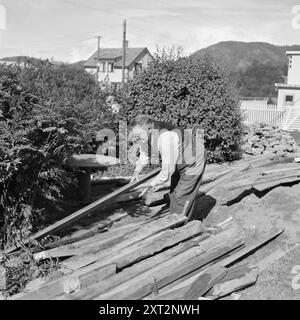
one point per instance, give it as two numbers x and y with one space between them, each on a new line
116 55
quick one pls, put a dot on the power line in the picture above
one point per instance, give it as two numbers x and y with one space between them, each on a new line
105 11
69 36
64 43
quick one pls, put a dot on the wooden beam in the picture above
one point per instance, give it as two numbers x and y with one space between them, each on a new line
236 279
212 185
279 170
157 243
194 287
58 253
134 270
79 239
273 180
51 289
251 248
85 211
271 184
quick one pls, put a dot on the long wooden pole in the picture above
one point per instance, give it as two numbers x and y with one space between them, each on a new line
85 211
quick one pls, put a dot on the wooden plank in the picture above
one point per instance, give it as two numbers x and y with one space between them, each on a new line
211 186
251 248
84 234
134 270
157 243
87 277
194 287
58 253
173 269
150 229
85 211
51 289
239 281
279 170
273 180
268 185
128 197
102 240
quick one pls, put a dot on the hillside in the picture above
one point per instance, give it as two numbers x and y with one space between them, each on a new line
237 56
253 67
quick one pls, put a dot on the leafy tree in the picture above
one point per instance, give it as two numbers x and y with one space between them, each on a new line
190 93
46 113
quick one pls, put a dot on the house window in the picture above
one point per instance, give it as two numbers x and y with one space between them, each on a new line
289 98
138 67
102 66
110 67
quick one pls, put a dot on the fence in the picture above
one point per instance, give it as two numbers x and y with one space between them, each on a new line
263 113
287 118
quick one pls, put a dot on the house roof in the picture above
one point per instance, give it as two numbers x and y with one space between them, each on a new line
287 86
293 53
115 54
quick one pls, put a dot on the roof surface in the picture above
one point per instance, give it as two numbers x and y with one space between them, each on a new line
115 54
293 53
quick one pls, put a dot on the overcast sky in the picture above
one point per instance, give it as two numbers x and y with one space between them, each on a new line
66 29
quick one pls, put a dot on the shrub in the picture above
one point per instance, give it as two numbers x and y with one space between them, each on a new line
190 93
46 113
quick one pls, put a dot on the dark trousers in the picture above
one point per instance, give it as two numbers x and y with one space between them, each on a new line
185 183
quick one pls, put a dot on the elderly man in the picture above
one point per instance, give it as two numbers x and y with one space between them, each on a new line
183 168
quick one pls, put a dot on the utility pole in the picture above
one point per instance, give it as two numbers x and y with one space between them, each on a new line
98 59
124 53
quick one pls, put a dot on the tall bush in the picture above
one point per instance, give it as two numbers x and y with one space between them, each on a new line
46 113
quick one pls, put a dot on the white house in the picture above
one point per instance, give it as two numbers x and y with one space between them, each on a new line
289 92
110 63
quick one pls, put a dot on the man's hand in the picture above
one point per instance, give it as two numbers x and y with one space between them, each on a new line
135 177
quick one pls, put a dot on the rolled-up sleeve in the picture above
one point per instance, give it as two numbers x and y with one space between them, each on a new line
168 146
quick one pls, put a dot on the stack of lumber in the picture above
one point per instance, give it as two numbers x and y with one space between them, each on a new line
158 258
268 178
215 175
267 139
